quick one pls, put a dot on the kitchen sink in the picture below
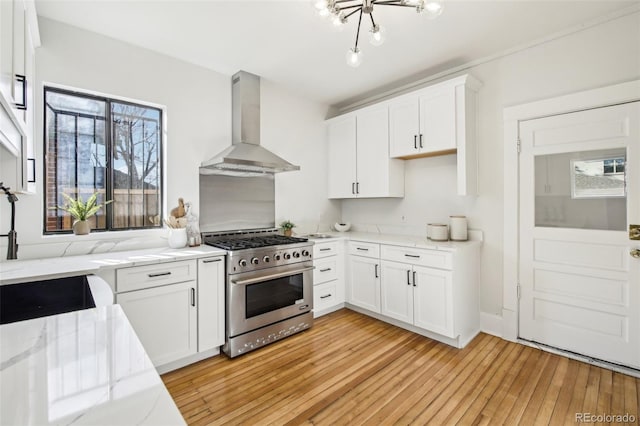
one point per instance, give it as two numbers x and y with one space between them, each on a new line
319 236
36 299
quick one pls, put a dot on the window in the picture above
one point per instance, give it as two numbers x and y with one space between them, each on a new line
97 144
598 178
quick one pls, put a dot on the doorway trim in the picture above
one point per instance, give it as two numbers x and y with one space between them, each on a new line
512 116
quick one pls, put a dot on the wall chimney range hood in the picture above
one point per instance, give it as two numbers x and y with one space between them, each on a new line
245 157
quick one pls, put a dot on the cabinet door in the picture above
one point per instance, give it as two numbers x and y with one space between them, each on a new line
19 57
403 127
396 290
364 283
211 286
342 157
373 152
6 50
164 319
433 300
438 120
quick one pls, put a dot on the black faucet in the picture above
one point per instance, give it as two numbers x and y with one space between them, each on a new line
12 251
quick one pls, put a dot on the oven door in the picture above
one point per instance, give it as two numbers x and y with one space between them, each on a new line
259 298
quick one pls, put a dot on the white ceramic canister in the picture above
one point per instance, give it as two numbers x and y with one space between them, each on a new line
177 237
458 228
438 232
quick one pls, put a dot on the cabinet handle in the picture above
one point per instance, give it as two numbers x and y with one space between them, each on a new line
362 249
415 256
325 249
376 270
325 296
415 141
357 187
193 296
212 260
159 274
420 140
353 187
408 276
22 79
325 270
414 279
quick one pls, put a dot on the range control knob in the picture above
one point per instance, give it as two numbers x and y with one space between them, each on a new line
242 263
305 253
266 259
276 257
296 254
287 256
255 261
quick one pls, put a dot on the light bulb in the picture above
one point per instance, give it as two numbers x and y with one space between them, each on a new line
377 35
431 9
320 4
338 19
354 57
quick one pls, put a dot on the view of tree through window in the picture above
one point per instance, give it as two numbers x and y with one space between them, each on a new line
106 146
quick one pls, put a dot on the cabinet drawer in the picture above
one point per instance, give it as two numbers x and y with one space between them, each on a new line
139 277
325 270
324 296
359 248
415 256
324 249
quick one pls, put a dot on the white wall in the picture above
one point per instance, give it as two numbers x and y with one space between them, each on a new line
606 54
198 123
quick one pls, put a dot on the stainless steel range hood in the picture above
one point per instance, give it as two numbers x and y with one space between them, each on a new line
245 156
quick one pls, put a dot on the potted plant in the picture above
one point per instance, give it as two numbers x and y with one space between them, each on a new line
81 211
287 226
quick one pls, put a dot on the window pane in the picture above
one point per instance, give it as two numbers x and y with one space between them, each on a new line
136 160
119 160
76 156
574 190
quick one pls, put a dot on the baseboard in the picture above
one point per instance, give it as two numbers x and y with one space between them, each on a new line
491 324
162 369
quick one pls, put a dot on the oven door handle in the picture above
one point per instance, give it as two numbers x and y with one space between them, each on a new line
272 276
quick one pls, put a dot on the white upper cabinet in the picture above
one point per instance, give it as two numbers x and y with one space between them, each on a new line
19 36
359 163
436 120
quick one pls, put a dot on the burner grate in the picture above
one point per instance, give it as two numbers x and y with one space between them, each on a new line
243 243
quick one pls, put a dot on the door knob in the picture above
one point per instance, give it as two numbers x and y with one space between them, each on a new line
635 253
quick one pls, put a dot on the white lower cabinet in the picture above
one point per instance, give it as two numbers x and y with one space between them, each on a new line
210 303
165 320
176 308
364 282
328 277
417 295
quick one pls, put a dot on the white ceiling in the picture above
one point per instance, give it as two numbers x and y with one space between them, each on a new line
287 43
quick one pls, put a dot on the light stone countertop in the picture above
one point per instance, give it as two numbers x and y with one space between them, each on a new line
402 240
83 367
16 271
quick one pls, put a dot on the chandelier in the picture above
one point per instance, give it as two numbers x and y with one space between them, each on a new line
339 11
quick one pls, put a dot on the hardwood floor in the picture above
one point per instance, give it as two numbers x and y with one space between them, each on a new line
352 369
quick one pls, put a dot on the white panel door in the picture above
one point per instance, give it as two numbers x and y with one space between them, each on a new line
164 318
396 290
364 283
438 120
342 157
580 286
373 152
404 126
433 300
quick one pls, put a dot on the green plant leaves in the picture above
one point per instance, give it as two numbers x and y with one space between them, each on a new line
80 210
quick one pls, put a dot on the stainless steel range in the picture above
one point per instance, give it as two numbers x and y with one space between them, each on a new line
269 287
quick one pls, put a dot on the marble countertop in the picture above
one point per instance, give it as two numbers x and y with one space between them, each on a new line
83 367
16 271
403 240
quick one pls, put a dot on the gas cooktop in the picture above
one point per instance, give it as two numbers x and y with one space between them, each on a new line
243 242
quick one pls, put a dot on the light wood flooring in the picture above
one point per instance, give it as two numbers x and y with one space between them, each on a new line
352 369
